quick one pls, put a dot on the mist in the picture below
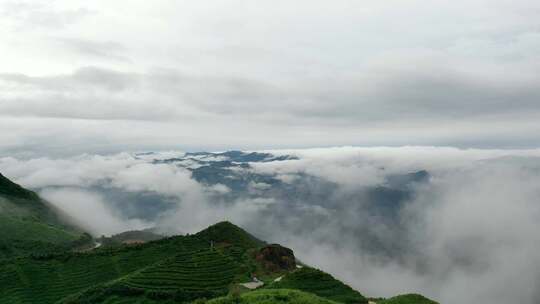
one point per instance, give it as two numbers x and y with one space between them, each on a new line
89 211
468 234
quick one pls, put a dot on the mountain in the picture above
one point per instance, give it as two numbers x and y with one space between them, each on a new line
30 225
222 263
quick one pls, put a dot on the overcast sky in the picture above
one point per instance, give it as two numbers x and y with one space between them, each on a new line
107 76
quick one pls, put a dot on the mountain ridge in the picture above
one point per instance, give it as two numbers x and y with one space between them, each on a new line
9 188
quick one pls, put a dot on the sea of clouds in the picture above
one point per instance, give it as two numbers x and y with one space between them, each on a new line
468 235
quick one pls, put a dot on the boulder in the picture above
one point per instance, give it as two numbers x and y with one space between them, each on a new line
275 258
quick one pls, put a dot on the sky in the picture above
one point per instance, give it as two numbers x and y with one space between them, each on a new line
109 76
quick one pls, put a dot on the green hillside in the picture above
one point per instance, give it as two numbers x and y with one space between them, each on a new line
51 278
321 284
29 225
275 296
9 188
188 276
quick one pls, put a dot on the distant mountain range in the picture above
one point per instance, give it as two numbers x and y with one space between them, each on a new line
47 259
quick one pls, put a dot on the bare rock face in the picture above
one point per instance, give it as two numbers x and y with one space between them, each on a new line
276 258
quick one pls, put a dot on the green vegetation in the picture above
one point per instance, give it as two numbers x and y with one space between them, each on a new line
9 188
51 278
276 296
19 237
33 230
201 270
29 225
185 277
408 299
319 283
228 233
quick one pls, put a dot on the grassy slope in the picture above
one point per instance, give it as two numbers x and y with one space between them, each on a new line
202 274
408 299
28 224
320 283
9 188
31 280
275 296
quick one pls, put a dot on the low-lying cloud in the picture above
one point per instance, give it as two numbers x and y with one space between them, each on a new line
466 235
90 211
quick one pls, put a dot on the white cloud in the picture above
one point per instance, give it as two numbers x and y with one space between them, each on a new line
91 212
165 179
219 189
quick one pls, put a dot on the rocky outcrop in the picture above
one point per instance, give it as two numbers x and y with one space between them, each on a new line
275 258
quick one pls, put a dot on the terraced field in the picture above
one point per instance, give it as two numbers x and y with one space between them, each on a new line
319 283
49 279
276 296
30 225
192 271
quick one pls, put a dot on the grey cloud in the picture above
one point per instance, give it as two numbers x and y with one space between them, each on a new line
82 78
108 50
401 95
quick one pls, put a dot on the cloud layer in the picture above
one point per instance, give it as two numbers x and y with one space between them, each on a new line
469 234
